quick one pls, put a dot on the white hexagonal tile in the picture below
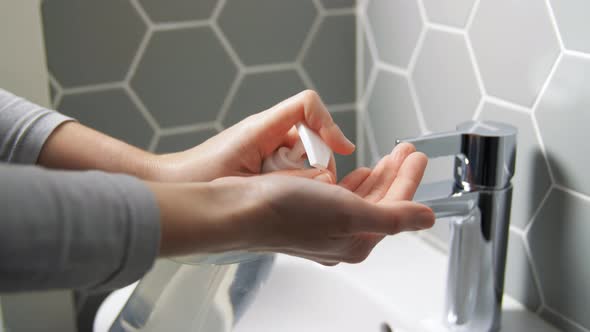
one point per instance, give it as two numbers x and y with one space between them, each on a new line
184 76
563 116
266 31
515 47
572 20
445 81
531 179
559 244
368 62
396 26
391 111
448 12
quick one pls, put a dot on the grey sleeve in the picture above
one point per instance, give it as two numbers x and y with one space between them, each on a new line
24 127
82 230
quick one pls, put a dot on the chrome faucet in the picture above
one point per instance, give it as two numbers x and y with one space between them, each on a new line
477 204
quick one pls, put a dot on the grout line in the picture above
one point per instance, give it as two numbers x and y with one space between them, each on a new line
572 192
478 109
417 50
471 16
218 126
154 142
507 104
142 13
217 11
475 66
335 108
422 11
417 107
542 146
142 109
372 44
138 55
167 26
370 85
391 68
547 81
554 24
535 214
372 141
269 67
226 45
514 229
93 88
305 77
233 89
318 7
567 319
311 34
339 12
188 128
446 28
359 80
58 90
577 54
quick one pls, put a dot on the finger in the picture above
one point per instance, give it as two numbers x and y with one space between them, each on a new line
304 107
408 178
393 218
354 179
310 173
332 166
378 183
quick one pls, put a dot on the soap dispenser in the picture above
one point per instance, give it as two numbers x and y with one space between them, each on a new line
310 146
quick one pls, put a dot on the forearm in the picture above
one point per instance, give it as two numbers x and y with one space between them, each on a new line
74 229
74 146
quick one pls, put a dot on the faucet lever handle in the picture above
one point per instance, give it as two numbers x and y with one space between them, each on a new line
485 151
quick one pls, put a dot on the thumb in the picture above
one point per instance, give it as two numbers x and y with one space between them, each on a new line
310 173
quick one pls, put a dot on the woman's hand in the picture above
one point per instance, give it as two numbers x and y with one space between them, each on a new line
321 222
240 150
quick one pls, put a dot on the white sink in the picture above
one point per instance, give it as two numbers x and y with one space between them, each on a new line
400 287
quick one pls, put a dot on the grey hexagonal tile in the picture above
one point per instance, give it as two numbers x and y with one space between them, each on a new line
445 81
368 157
559 245
396 26
514 58
178 10
531 180
519 280
565 107
331 4
90 42
52 92
330 60
572 19
448 12
564 323
180 142
184 76
346 120
391 111
258 92
267 31
109 111
368 62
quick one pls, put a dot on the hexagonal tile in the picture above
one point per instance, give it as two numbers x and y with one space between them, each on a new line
573 23
180 142
391 111
178 10
396 26
448 12
368 62
90 42
559 244
267 31
519 281
184 76
330 4
52 92
261 91
556 319
514 58
565 107
330 61
531 179
346 120
109 111
368 158
445 81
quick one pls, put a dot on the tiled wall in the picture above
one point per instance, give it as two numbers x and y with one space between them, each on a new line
166 75
426 65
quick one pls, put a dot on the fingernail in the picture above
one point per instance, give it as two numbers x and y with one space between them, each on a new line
324 177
